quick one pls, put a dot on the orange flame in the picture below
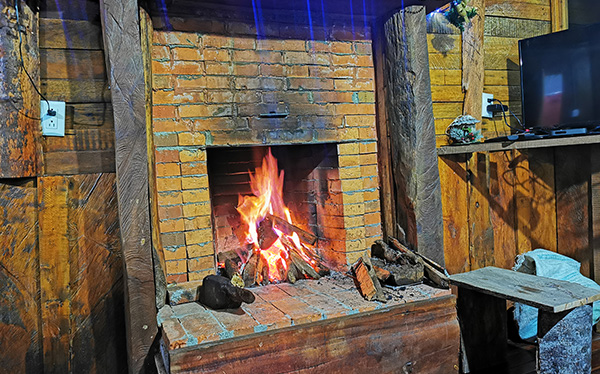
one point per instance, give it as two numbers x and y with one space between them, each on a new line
267 188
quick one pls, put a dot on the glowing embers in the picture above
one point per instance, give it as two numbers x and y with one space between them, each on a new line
273 248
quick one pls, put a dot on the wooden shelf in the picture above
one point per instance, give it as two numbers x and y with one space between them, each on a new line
518 144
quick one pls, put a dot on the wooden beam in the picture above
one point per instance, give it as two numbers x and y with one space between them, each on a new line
559 15
19 102
472 61
412 132
121 33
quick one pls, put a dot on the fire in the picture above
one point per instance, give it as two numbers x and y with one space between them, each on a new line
266 203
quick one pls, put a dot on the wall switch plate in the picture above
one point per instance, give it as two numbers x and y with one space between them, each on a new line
485 101
53 125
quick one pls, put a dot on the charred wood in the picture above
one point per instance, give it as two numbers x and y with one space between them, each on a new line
288 229
434 272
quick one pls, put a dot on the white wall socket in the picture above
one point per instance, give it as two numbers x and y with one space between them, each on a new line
53 125
485 101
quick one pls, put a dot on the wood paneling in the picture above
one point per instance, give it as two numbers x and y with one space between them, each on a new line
81 275
19 103
20 335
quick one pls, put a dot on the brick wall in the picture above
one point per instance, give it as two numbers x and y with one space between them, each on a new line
210 90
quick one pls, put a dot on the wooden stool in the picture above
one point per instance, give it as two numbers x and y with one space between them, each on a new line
564 319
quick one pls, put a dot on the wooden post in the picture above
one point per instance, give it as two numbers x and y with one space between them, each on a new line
559 15
121 32
472 61
19 102
409 117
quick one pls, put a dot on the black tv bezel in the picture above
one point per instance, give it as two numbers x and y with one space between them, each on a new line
589 124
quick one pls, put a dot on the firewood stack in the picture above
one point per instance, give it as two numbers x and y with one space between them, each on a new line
394 265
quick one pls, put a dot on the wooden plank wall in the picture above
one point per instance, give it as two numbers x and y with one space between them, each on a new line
61 263
497 205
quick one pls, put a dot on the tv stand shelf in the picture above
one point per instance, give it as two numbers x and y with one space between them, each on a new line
518 144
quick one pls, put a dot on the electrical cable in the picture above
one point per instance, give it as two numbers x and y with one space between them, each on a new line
506 121
50 111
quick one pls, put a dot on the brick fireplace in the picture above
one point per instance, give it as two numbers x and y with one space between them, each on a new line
225 92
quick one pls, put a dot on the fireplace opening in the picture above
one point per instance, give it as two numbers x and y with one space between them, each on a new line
296 238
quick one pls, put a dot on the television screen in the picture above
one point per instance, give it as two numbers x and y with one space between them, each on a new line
560 79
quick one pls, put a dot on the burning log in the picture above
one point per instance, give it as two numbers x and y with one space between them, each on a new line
435 272
288 229
292 275
217 292
266 235
368 284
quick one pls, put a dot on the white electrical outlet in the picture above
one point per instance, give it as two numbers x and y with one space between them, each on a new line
53 125
486 99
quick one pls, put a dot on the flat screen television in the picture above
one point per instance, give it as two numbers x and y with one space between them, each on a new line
560 79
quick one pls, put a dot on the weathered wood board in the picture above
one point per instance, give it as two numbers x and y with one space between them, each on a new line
419 337
81 272
19 103
20 335
540 292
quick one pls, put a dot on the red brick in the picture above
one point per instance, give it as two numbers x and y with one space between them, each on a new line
217 54
218 68
190 183
354 84
245 69
187 68
186 54
176 38
341 47
244 43
160 53
169 126
215 97
371 195
272 70
169 155
344 72
363 48
344 60
170 212
204 110
160 82
196 196
371 231
296 71
172 225
217 41
246 97
196 210
193 168
177 278
302 58
176 266
367 133
199 275
169 198
201 263
167 170
213 82
263 83
364 61
318 46
198 223
161 67
163 111
165 140
199 250
365 73
372 218
176 254
359 121
332 97
311 83
281 45
354 109
190 83
168 184
192 155
368 159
